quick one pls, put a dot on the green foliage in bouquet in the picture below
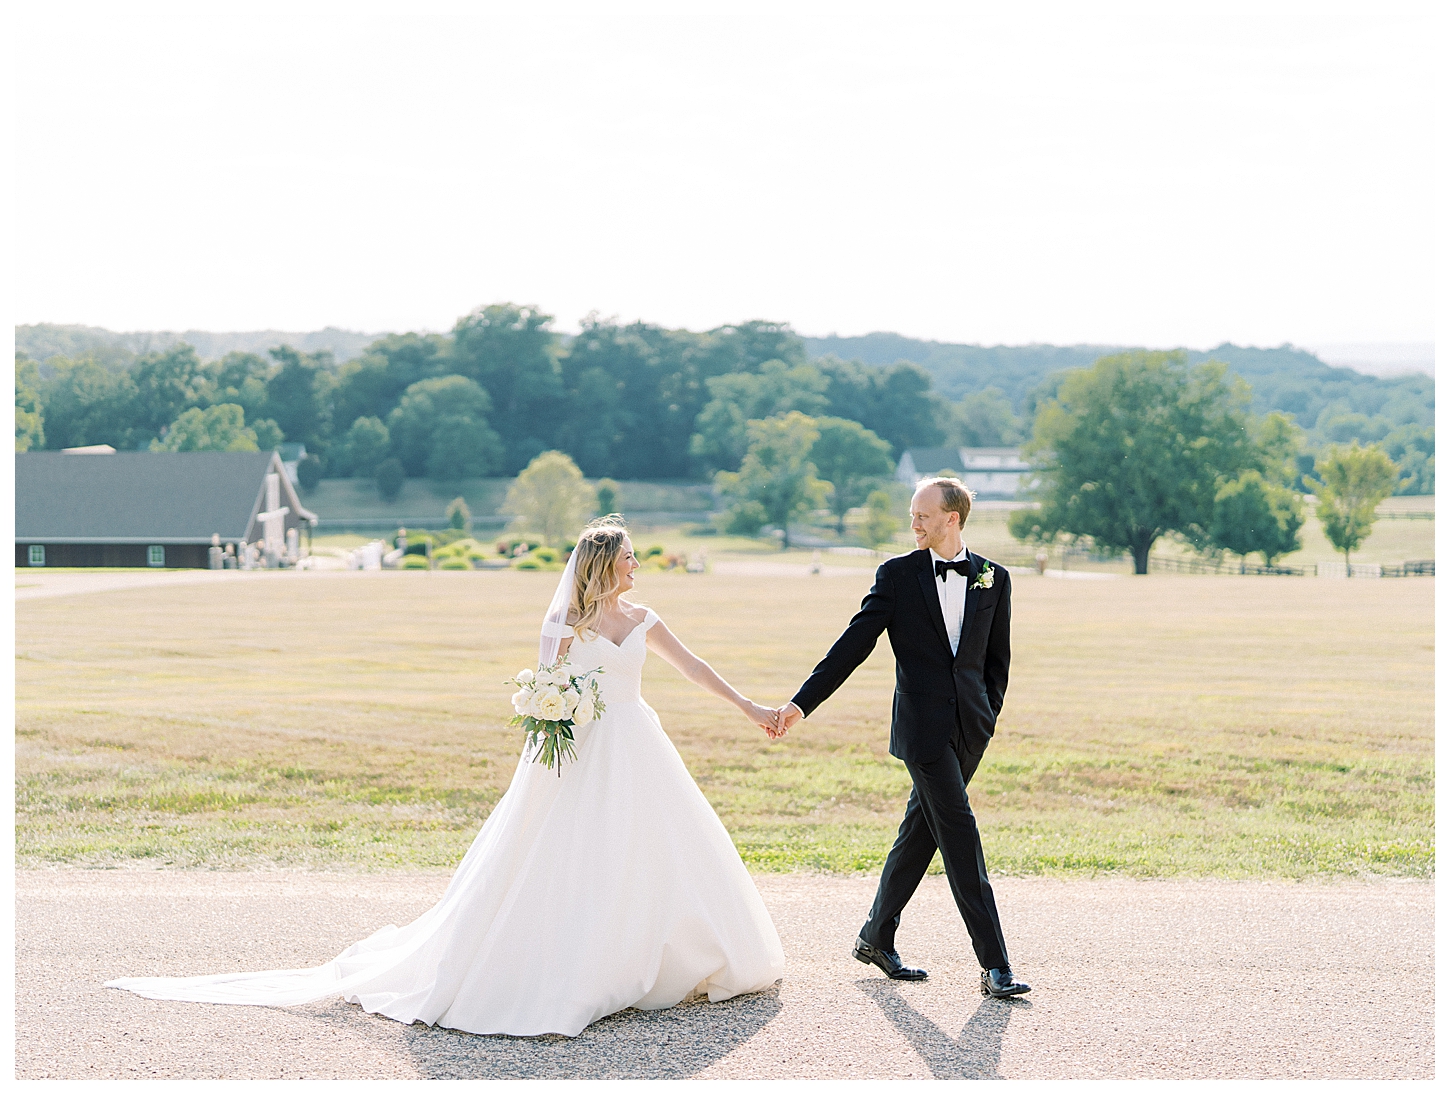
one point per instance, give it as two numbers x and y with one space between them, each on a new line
549 704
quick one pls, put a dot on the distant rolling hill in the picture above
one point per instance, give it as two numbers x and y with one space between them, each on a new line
44 340
1284 378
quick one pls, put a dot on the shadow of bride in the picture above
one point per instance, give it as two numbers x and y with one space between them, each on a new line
675 1043
975 1054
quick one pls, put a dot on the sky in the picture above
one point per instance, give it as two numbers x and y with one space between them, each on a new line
1143 174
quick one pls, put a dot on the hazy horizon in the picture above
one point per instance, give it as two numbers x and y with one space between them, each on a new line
1384 359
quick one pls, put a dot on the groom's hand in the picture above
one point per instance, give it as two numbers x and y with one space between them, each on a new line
786 717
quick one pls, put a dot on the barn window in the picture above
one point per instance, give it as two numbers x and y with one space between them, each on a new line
156 556
37 555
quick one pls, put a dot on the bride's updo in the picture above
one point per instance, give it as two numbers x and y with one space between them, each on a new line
595 558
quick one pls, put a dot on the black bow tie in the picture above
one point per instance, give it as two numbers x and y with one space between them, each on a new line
962 567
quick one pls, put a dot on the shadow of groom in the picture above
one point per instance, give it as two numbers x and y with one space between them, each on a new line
975 1054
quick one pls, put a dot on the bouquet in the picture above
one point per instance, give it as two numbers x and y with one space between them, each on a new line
549 704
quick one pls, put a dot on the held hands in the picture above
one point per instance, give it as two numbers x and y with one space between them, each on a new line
787 716
764 717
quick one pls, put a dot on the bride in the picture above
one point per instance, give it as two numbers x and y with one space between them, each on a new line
606 885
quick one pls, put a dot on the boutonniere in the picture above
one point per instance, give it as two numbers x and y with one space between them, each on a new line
985 579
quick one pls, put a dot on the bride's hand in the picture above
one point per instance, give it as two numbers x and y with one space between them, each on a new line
763 717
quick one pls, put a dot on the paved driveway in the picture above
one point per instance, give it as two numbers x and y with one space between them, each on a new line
1133 979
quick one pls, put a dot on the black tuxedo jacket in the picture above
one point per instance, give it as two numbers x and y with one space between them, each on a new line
935 693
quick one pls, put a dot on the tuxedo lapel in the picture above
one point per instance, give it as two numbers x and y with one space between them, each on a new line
926 576
973 596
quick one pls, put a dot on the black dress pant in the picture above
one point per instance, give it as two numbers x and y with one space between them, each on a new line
938 815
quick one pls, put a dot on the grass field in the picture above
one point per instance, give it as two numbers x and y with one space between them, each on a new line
1158 726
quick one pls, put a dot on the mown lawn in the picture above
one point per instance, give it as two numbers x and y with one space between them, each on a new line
1155 726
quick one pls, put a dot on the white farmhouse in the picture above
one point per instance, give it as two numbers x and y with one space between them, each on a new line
990 473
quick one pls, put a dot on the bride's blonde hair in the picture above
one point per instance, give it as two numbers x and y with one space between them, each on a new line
595 558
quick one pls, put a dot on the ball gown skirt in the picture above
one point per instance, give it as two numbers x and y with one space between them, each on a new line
608 885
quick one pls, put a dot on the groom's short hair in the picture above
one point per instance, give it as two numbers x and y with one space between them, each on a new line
954 496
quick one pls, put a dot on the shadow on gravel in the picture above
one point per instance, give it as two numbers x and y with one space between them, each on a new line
675 1043
975 1054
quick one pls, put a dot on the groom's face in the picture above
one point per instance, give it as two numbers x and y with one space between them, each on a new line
930 524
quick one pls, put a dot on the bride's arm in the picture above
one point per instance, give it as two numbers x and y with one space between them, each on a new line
693 668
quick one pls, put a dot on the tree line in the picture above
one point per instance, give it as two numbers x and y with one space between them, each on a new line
628 401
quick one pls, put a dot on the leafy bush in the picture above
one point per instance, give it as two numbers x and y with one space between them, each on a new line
527 563
414 562
458 514
650 552
309 472
455 563
389 477
546 554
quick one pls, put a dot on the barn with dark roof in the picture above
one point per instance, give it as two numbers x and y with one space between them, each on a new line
160 509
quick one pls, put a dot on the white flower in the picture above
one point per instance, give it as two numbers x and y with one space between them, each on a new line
526 676
584 712
571 700
551 705
984 579
520 700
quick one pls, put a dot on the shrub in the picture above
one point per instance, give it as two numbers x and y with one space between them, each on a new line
309 472
458 515
414 562
527 563
389 478
455 564
650 552
546 554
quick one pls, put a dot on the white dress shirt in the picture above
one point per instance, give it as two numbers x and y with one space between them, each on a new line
953 596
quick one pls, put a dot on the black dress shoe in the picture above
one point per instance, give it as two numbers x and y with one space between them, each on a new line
889 962
1002 983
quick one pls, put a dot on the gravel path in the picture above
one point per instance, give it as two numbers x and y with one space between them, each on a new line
1133 979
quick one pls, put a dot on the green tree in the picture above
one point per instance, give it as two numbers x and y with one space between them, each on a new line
29 422
881 521
777 473
1413 449
1135 447
1352 482
1279 443
895 402
371 385
216 429
86 404
1251 515
849 457
365 446
269 434
511 353
550 497
459 515
300 398
606 493
462 447
165 384
721 434
984 419
389 477
441 428
240 378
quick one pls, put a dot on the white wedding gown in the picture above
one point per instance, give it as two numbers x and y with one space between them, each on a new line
611 885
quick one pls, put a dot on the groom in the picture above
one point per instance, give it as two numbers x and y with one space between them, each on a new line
947 613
